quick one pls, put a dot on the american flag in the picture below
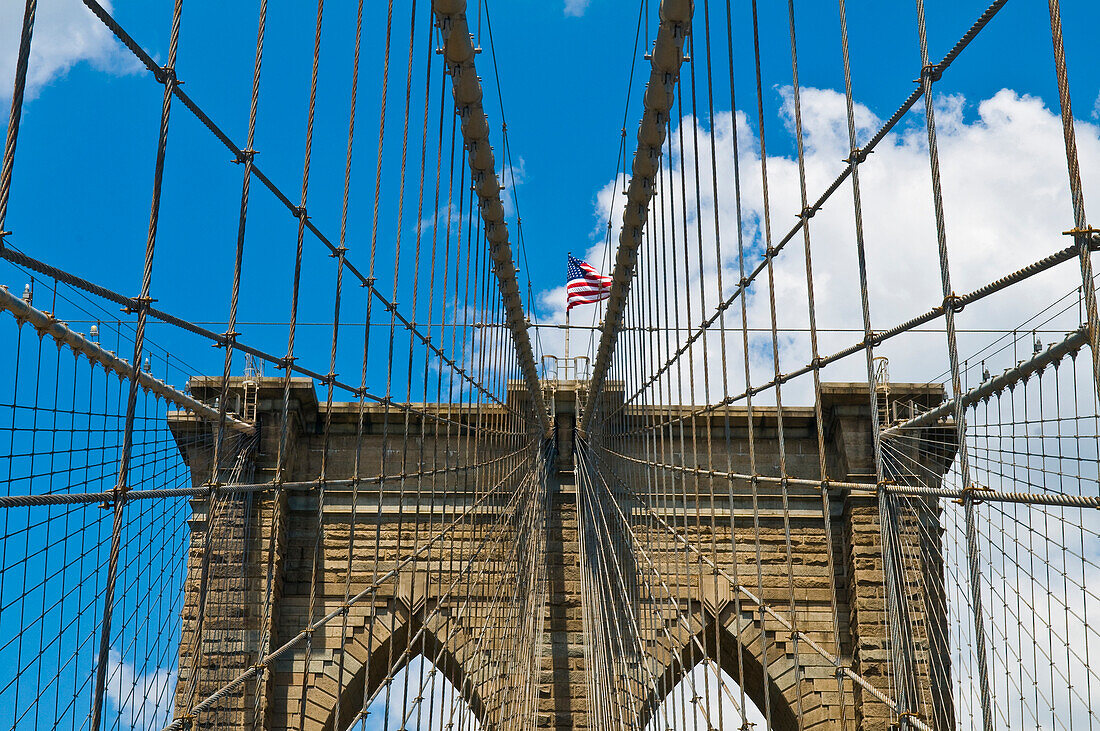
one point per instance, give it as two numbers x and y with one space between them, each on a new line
585 285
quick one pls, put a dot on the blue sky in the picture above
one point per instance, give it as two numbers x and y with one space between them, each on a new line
80 197
81 193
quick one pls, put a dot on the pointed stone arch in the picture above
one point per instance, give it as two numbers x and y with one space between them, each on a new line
721 646
422 697
722 707
375 648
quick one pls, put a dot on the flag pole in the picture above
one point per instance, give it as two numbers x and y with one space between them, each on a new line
567 254
567 340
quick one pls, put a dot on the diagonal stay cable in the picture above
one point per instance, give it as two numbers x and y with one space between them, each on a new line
63 276
879 337
61 334
343 607
759 601
240 155
857 156
666 59
459 53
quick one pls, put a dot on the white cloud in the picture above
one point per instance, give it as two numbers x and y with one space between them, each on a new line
511 177
65 34
1006 205
576 8
142 700
1006 201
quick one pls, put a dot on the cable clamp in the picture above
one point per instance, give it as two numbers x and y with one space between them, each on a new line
116 496
873 339
968 494
136 305
857 155
369 282
806 213
339 252
4 233
1088 232
286 363
166 74
245 155
229 338
953 302
770 252
259 667
932 72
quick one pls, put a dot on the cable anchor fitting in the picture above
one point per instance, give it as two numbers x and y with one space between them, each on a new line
245 155
1089 234
953 302
137 304
166 75
229 339
932 72
968 494
857 155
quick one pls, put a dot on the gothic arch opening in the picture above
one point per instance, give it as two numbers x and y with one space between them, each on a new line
738 666
411 673
420 696
721 703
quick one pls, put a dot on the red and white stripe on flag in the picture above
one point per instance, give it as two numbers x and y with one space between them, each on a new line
585 285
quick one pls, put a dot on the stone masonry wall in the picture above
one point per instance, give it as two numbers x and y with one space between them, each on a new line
271 562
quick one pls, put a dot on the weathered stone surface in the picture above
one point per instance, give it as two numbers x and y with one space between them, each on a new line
263 566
